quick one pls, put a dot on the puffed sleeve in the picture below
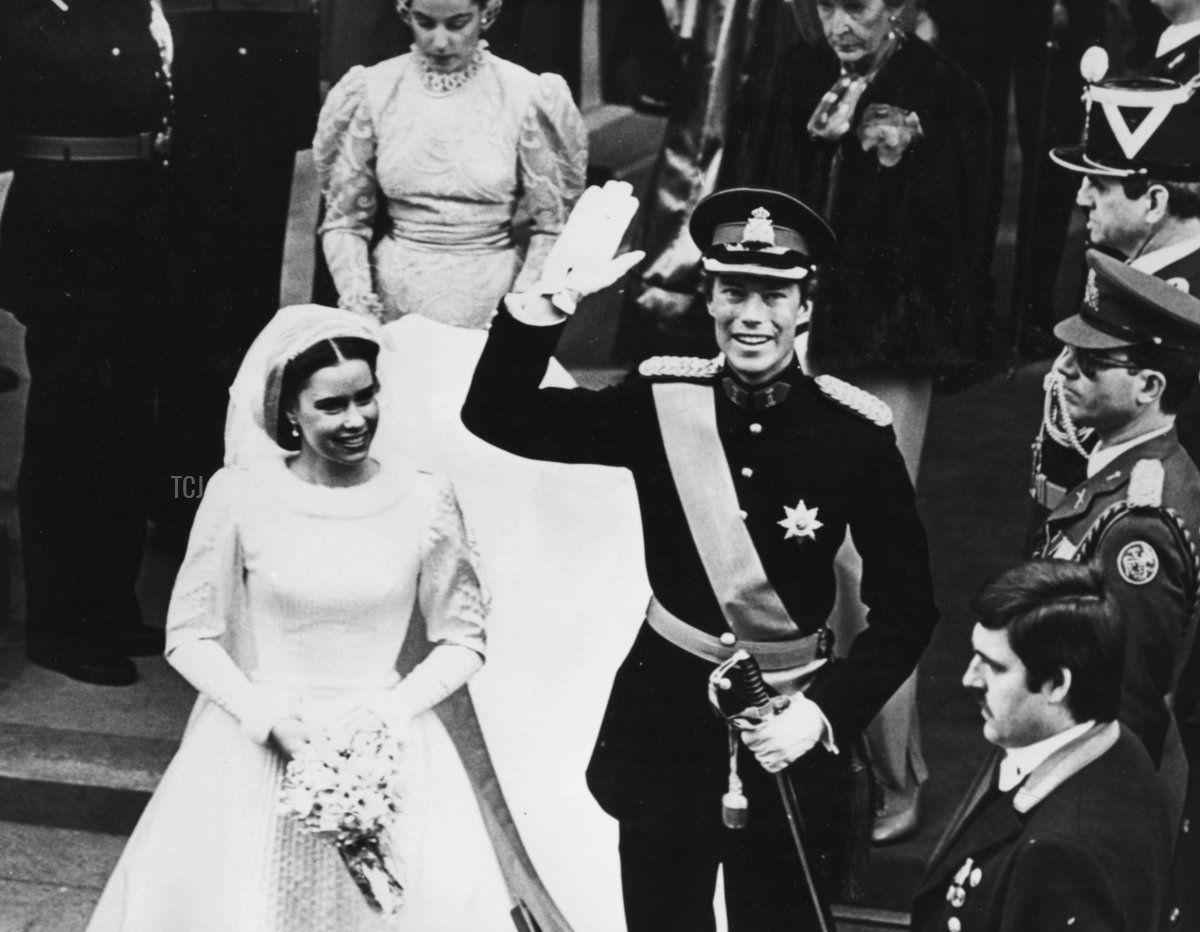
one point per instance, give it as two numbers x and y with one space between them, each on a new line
451 600
206 602
552 156
344 151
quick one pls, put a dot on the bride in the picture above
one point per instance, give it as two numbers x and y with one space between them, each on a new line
314 556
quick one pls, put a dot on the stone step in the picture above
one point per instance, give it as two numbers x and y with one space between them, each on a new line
50 878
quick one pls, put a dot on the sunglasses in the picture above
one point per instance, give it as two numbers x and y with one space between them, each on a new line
1091 362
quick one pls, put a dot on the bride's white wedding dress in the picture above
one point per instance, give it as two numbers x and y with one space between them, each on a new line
311 590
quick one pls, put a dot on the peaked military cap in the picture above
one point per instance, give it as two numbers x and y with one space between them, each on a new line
1123 306
1136 127
756 231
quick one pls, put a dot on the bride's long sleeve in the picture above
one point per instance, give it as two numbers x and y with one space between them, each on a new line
208 594
452 602
344 152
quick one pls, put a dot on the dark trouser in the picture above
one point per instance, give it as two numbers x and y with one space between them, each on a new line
669 869
86 277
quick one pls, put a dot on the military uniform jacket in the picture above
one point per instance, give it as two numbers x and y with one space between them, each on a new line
1185 274
1150 570
80 231
1091 854
660 745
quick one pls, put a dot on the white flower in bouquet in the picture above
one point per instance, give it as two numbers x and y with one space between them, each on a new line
347 790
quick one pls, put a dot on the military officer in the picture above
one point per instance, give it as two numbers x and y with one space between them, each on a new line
749 474
1141 196
83 265
1133 353
1065 826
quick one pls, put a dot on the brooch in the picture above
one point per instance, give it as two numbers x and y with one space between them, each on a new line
800 521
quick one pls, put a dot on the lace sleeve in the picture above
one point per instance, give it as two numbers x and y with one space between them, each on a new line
552 153
450 593
344 151
453 605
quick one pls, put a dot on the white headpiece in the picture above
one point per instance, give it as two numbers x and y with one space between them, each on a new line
253 414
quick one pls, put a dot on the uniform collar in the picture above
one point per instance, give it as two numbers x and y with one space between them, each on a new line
1174 36
761 397
1018 763
1114 475
1101 456
1158 259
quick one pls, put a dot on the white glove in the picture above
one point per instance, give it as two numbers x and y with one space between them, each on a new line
788 736
581 261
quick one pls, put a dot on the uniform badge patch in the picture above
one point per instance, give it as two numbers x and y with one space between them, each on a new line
1137 563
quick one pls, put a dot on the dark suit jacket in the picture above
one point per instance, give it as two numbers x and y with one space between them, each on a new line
1083 844
660 748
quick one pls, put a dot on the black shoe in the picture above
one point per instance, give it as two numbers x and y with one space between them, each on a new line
100 669
142 641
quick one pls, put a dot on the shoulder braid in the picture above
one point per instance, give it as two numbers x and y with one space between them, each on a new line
861 402
679 367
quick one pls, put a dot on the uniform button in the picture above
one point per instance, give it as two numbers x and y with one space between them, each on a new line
242 50
954 924
1175 916
756 428
116 51
728 639
747 472
1187 826
743 515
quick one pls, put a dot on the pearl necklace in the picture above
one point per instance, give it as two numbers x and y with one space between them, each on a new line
441 83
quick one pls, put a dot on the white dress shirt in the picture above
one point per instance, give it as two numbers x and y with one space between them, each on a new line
1018 763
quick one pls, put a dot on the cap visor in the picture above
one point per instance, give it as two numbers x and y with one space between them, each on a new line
1073 158
713 267
1076 331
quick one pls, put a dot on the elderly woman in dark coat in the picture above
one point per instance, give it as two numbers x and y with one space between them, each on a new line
890 141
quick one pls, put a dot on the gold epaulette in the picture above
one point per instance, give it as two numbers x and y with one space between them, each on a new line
1146 484
679 367
862 403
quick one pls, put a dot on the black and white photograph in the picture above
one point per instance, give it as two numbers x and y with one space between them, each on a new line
599 465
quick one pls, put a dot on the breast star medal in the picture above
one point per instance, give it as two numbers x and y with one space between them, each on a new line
800 521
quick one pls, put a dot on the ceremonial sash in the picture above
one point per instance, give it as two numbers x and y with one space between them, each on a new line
687 417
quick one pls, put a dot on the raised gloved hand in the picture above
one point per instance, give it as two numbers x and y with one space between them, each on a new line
581 261
786 736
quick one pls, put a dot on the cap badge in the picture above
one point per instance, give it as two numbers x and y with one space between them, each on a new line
800 522
1091 293
759 228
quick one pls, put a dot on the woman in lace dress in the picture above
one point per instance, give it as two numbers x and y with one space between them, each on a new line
451 143
310 556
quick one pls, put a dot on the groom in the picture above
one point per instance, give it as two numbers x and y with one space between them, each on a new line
749 473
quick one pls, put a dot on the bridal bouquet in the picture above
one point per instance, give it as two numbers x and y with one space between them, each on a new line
348 793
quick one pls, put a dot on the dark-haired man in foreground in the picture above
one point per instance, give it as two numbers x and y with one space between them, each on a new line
1065 826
